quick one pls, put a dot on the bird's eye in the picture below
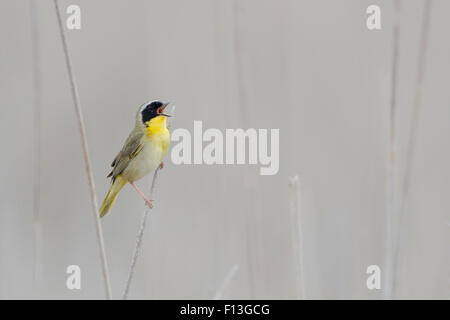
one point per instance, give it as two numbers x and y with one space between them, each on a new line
159 110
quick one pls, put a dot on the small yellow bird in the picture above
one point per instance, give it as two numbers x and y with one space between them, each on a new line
142 152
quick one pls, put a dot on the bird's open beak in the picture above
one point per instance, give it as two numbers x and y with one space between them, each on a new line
164 107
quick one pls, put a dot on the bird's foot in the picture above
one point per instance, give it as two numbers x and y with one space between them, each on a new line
148 203
161 166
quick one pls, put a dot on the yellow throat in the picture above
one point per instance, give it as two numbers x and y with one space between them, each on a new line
157 132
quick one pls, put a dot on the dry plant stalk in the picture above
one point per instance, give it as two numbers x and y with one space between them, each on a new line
411 146
77 105
391 162
37 226
238 63
297 235
226 282
140 234
250 221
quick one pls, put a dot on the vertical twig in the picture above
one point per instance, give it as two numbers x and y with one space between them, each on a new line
226 282
76 101
139 237
37 226
297 235
140 234
411 146
391 161
242 103
238 63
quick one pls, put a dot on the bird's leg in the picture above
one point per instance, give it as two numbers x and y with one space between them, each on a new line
147 201
161 166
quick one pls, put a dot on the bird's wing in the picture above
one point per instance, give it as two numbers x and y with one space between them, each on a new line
131 148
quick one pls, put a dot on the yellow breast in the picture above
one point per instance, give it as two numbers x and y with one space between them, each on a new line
158 133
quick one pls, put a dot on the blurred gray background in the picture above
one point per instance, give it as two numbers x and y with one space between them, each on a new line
310 68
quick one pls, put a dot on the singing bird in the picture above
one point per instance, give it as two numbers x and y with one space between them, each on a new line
142 152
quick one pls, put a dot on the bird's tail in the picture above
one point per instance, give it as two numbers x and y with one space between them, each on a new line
111 196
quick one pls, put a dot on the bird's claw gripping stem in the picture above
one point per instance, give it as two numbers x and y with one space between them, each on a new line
148 202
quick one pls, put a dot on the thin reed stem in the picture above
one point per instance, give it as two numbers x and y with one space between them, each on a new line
412 137
250 221
226 282
238 64
37 225
77 105
139 238
391 161
141 231
297 235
